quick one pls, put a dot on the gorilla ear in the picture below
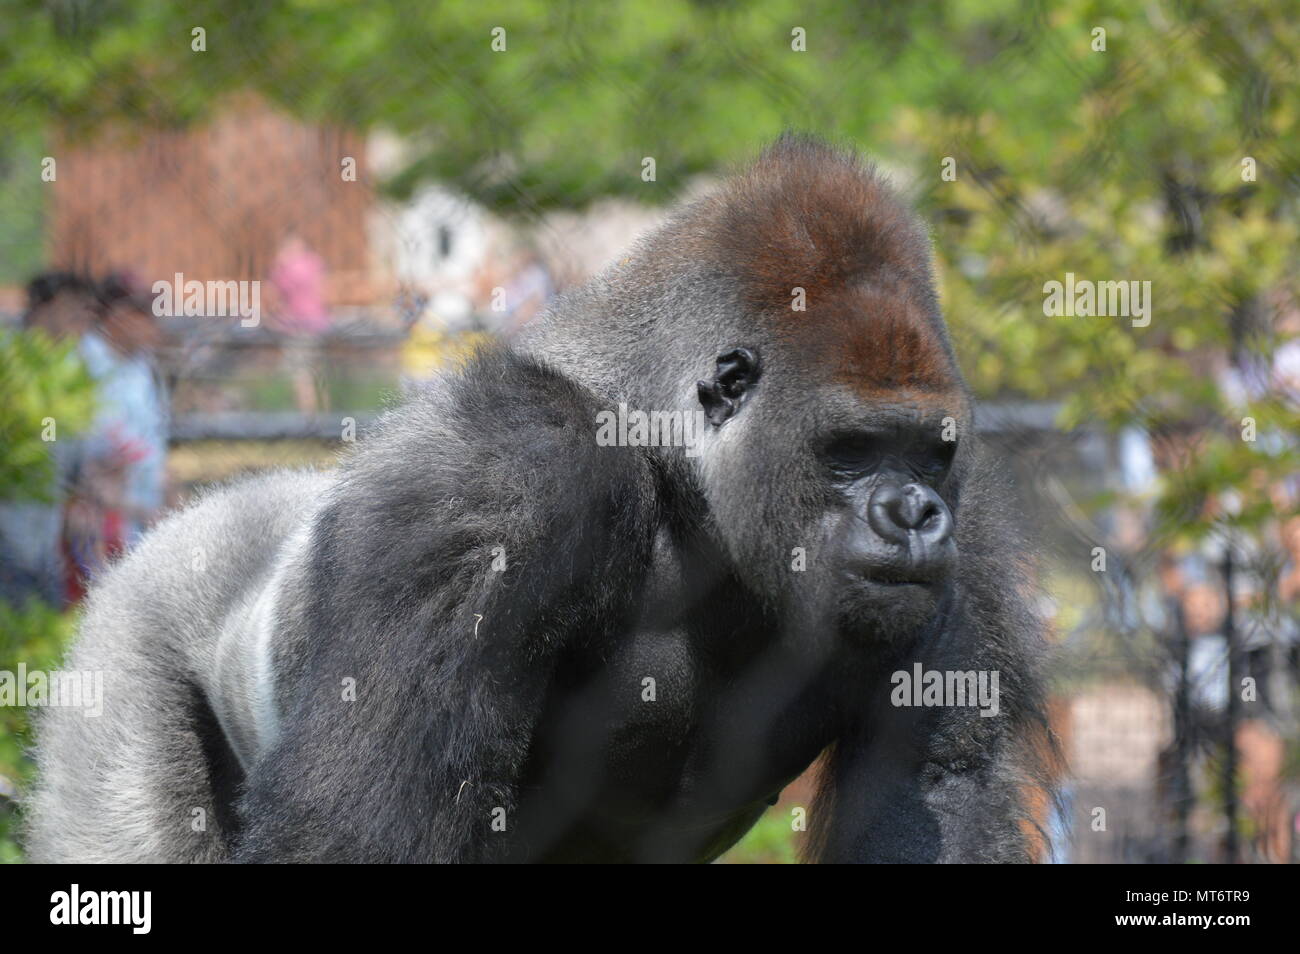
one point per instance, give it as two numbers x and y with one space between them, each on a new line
737 372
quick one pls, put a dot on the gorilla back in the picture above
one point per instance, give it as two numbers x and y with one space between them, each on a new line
509 629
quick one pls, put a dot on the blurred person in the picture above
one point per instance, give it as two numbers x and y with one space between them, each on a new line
527 290
1288 591
1288 588
1207 665
1263 795
445 331
298 280
1286 374
138 391
61 304
1286 356
510 295
120 476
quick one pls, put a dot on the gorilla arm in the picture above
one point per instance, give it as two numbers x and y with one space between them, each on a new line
945 783
451 653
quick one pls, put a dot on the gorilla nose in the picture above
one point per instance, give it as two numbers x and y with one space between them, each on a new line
895 512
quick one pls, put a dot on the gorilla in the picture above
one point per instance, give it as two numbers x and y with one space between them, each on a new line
507 630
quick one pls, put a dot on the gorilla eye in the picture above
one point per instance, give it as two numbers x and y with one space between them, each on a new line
934 462
855 454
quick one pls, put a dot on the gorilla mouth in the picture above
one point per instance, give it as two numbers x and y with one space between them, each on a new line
923 569
895 581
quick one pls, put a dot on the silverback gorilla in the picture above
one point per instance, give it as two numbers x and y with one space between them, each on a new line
491 636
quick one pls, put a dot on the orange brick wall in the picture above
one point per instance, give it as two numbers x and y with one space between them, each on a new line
213 202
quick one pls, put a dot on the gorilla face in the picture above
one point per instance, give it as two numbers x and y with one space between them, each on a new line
891 537
864 485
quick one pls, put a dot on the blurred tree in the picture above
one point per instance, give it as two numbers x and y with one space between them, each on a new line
565 112
1177 165
45 394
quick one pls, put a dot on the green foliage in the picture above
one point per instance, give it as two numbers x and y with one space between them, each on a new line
770 842
564 115
34 635
45 391
22 250
40 381
1143 181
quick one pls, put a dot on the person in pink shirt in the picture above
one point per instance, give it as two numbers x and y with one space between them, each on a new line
298 278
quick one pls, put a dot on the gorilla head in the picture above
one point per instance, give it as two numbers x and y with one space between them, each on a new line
834 404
